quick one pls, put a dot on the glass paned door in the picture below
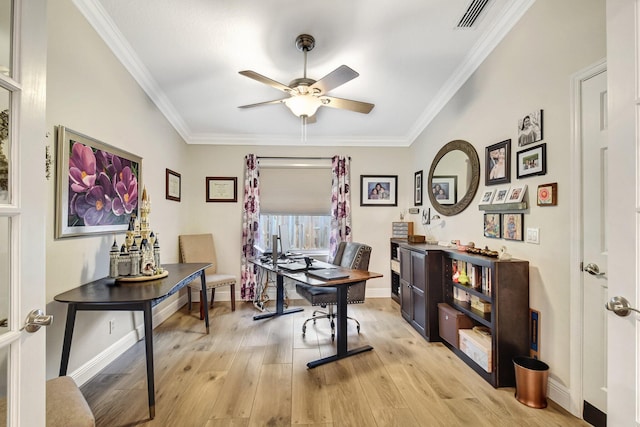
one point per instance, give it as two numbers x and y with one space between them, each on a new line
5 36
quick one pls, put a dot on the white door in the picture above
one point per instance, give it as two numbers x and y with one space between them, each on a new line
624 207
22 209
594 236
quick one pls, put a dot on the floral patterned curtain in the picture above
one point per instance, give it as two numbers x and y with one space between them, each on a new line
340 203
250 222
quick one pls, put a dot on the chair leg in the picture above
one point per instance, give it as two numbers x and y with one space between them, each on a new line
189 298
213 295
233 297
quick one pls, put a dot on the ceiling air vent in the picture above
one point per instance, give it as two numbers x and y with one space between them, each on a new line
472 13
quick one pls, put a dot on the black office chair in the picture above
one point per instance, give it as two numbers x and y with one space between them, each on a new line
350 255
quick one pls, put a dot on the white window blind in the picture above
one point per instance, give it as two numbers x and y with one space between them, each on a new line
295 187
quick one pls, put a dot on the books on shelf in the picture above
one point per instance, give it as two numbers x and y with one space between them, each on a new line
479 277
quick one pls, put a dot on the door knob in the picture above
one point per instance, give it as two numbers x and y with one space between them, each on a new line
593 270
620 306
35 320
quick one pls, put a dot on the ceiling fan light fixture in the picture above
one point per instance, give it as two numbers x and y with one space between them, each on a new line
303 105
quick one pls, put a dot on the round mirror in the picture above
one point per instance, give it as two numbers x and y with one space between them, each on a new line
454 177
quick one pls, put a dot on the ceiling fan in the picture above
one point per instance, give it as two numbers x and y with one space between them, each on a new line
306 95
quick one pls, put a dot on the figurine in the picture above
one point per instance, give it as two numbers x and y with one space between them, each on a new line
463 279
503 255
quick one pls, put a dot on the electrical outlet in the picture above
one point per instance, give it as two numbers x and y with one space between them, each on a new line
112 326
533 235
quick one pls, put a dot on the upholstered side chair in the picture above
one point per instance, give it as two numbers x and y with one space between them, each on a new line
350 255
200 248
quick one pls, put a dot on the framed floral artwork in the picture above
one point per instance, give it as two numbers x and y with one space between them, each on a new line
548 194
97 186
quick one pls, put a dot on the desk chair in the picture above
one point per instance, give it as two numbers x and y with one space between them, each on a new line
350 255
200 248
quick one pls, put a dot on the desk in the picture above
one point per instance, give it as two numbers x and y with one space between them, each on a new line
341 286
268 266
107 295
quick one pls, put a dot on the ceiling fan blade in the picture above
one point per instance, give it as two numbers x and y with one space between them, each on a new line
347 104
337 77
266 80
275 101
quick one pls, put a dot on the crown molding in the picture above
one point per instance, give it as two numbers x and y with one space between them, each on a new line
480 51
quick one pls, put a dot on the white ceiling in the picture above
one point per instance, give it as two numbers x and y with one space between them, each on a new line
411 58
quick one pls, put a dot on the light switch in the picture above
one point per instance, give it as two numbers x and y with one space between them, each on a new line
533 235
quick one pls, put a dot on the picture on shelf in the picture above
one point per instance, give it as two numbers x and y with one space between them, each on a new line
512 226
501 195
487 196
492 222
516 194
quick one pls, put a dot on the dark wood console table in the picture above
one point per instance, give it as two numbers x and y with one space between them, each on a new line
107 295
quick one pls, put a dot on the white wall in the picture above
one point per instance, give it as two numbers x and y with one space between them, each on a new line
529 70
371 225
89 91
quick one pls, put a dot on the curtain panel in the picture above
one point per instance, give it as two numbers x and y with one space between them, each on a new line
250 223
340 203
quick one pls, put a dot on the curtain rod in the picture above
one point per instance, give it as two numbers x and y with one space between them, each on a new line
296 158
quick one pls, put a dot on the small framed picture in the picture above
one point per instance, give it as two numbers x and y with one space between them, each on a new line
530 128
532 162
417 189
487 196
516 193
444 189
221 189
501 196
548 194
492 223
498 163
173 185
512 226
378 190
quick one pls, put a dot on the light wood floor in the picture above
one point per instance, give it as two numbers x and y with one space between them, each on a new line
253 373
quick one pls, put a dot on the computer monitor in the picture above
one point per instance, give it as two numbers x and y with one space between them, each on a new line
285 243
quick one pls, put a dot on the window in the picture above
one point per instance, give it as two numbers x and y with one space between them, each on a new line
295 203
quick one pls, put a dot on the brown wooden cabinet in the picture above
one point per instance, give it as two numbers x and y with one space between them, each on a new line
502 297
421 290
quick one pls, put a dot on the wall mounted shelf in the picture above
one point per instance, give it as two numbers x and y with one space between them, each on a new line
505 207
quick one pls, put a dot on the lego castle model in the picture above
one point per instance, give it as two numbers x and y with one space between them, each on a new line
140 253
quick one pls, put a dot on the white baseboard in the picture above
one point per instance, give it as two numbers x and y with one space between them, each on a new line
559 394
87 371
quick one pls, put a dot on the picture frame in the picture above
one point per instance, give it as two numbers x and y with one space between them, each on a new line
492 225
516 193
221 189
532 162
547 194
513 226
500 196
417 189
498 163
378 190
530 128
173 185
487 196
98 186
445 189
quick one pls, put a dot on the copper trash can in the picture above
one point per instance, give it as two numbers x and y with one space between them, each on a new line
531 381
